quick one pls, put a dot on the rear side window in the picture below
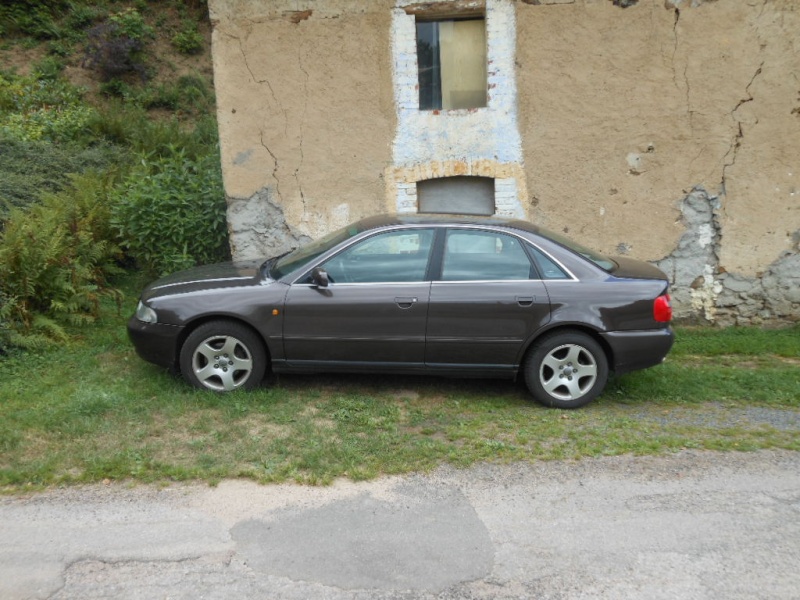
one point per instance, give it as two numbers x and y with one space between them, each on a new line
547 267
483 256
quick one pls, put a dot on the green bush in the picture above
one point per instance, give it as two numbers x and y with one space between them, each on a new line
170 213
34 108
130 23
128 125
35 18
56 259
115 48
49 68
188 40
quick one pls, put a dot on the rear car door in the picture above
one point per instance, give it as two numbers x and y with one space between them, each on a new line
486 302
373 312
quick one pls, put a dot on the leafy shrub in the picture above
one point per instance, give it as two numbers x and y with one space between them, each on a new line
131 126
188 40
20 94
115 48
129 23
49 68
170 213
31 17
36 109
55 262
59 48
81 16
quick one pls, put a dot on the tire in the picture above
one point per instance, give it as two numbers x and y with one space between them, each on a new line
566 369
223 356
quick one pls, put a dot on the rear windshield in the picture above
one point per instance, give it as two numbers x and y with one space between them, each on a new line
600 260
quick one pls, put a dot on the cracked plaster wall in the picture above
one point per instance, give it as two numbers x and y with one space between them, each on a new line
668 130
305 111
636 114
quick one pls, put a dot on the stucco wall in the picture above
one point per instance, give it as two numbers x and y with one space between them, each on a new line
627 112
305 114
667 130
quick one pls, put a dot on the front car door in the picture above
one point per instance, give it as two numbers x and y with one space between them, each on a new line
486 302
373 312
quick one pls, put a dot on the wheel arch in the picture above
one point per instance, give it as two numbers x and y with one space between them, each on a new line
200 321
558 328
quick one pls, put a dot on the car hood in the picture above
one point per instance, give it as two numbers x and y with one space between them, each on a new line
208 277
630 268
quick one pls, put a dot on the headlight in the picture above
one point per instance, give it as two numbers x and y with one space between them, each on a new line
145 313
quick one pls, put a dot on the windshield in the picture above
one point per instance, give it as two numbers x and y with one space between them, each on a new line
600 260
299 257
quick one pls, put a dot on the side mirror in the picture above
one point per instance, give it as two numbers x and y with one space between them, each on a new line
320 277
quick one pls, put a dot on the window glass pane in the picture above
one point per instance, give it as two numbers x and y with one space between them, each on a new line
462 49
451 56
430 84
482 255
305 254
548 268
397 256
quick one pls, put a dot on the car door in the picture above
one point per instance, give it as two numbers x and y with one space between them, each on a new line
486 302
372 313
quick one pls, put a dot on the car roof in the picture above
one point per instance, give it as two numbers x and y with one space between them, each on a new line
386 220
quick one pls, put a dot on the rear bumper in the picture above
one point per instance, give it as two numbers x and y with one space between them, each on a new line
155 342
633 350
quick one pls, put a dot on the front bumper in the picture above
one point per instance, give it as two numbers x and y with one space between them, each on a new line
155 342
634 350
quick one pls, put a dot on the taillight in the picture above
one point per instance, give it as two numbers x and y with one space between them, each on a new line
662 309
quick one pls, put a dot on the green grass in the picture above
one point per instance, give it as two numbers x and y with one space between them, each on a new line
92 410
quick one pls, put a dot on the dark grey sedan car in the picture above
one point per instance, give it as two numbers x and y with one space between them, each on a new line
455 296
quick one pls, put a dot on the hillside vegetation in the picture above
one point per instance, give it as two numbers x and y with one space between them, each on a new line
109 157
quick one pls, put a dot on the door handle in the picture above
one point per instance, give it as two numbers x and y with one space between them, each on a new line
405 302
525 300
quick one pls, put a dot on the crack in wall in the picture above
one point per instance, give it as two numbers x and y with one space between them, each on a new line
275 167
250 70
302 121
686 87
736 144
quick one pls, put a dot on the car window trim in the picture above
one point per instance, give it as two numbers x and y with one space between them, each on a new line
435 260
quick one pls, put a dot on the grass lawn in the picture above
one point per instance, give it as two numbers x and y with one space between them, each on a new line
92 410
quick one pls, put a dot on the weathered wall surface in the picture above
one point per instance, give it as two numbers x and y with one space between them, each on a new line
305 115
667 130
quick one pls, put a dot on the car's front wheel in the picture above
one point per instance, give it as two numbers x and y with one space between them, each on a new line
223 356
566 369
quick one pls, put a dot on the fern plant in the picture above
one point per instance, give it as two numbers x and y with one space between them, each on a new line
56 261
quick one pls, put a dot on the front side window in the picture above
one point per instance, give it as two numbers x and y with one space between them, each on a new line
452 63
396 256
483 256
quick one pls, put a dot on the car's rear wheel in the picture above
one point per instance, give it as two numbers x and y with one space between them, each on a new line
566 369
223 356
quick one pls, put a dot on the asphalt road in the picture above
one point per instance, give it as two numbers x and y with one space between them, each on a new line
692 525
